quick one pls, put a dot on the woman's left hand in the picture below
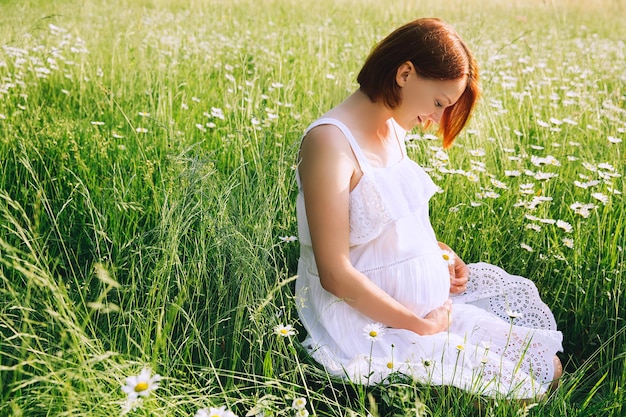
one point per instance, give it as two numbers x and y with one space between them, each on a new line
459 272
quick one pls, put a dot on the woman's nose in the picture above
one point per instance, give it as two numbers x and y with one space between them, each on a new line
435 116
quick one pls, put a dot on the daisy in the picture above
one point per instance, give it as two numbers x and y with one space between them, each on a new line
525 246
142 384
602 197
141 130
613 139
472 177
299 403
302 413
288 238
214 412
144 114
564 225
460 348
533 226
374 331
514 314
448 256
284 331
568 242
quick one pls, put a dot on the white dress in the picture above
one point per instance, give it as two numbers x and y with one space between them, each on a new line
502 339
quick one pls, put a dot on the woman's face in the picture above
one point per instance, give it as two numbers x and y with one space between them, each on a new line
424 99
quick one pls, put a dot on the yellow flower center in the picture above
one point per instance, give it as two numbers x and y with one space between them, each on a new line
284 331
446 256
373 333
141 386
390 365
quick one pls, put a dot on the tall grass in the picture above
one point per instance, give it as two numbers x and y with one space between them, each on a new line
147 151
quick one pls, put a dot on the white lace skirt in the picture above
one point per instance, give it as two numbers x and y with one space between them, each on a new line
501 342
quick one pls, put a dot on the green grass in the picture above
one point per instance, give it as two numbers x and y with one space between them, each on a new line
122 248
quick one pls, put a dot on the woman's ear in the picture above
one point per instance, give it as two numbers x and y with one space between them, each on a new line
403 73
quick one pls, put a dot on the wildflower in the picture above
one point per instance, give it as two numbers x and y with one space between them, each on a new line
427 363
288 238
513 173
97 123
214 412
582 209
217 112
523 412
471 177
533 226
144 114
564 225
141 130
514 314
299 403
498 184
374 331
613 139
302 413
284 331
142 384
448 256
460 348
390 365
525 246
602 197
568 242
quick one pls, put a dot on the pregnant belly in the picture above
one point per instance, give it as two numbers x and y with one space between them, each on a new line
420 284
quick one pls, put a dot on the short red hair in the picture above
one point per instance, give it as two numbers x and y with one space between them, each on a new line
437 52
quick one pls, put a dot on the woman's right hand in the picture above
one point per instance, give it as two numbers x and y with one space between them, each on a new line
439 318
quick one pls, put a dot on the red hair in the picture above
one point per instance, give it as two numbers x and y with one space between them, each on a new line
437 52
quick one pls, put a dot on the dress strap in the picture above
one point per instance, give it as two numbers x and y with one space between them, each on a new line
358 153
400 138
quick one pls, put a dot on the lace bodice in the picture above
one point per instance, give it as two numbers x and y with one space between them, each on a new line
405 183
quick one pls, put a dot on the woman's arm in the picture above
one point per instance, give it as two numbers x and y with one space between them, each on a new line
327 171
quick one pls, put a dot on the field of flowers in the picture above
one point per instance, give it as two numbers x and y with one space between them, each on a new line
147 198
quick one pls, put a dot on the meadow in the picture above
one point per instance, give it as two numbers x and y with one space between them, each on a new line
147 197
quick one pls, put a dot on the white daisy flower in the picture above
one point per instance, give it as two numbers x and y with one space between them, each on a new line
288 238
448 256
142 384
564 225
526 247
514 314
214 412
284 331
299 403
601 197
613 139
302 413
374 331
568 242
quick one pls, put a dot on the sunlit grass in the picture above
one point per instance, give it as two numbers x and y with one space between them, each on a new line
147 196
